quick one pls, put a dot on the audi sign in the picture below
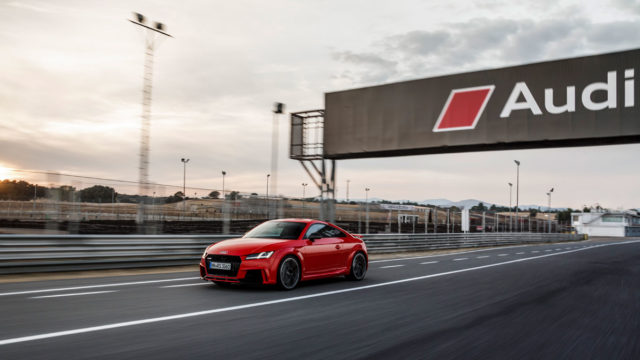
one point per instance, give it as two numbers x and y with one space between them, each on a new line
582 101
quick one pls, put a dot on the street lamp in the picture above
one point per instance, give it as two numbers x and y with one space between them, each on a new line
223 174
366 190
267 197
184 183
549 208
304 187
510 208
517 192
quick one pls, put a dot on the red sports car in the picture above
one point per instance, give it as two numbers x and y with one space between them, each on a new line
285 252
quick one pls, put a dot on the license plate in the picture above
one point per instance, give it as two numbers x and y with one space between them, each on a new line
219 266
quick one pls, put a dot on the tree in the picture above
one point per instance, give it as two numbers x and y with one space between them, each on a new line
533 212
215 194
479 207
177 197
98 194
234 195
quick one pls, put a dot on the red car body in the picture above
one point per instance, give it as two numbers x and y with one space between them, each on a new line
318 256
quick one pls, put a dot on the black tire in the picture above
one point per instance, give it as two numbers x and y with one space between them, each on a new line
358 267
289 273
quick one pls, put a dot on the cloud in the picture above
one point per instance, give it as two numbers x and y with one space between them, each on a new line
484 43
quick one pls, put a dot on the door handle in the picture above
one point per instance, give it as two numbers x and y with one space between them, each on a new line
337 246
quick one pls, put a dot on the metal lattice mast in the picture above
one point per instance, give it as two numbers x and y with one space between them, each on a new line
145 128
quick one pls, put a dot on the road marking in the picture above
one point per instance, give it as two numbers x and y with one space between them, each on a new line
519 253
428 262
482 257
182 285
390 266
460 259
278 301
558 249
548 250
447 254
74 294
503 254
535 251
94 286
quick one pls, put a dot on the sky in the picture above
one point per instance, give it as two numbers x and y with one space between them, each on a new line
71 90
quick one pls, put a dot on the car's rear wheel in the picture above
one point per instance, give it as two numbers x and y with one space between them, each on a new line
289 273
358 267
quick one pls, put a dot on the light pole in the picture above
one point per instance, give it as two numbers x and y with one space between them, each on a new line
348 181
184 184
549 207
510 208
366 228
304 187
267 197
517 193
152 32
278 108
223 175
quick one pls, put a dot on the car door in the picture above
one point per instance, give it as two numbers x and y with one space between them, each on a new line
322 254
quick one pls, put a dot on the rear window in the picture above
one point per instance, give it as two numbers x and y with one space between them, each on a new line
286 230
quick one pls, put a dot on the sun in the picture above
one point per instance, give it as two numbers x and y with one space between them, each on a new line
5 173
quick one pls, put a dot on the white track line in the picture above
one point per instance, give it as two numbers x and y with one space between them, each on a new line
460 259
482 257
456 253
390 266
94 286
503 254
74 294
428 262
272 302
520 253
182 285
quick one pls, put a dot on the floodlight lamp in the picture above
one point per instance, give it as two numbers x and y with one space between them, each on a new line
517 162
551 190
159 26
278 108
140 18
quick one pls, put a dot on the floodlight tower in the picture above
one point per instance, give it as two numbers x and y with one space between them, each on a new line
152 31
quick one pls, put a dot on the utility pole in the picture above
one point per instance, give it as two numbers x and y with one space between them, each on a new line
366 190
348 181
510 208
517 193
267 197
278 108
143 181
304 187
549 207
184 184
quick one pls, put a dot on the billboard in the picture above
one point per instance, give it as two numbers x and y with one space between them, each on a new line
590 100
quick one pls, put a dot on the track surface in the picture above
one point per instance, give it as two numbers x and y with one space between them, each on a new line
577 300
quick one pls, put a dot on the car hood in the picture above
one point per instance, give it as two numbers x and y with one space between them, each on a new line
246 246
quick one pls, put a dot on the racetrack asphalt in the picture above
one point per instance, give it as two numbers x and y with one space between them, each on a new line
578 300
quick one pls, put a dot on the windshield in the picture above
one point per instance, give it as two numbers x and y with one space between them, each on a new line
286 230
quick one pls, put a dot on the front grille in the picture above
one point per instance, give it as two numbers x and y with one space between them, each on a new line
233 260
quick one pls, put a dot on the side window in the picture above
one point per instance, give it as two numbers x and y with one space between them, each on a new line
323 230
333 232
315 228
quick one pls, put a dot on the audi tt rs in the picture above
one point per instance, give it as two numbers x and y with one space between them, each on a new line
284 253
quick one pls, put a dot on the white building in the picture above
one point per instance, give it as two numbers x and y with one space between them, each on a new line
607 223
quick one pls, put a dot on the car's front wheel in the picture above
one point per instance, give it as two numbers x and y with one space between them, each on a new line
289 273
358 267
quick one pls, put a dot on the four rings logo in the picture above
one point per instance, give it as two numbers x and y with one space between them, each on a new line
463 108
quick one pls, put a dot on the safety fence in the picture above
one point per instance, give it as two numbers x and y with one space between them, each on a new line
52 253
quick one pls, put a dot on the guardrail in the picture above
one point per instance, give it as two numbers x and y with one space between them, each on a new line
50 253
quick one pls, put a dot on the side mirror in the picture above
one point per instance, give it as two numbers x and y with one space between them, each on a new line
315 236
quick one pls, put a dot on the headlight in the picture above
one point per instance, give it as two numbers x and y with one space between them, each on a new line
204 254
262 255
